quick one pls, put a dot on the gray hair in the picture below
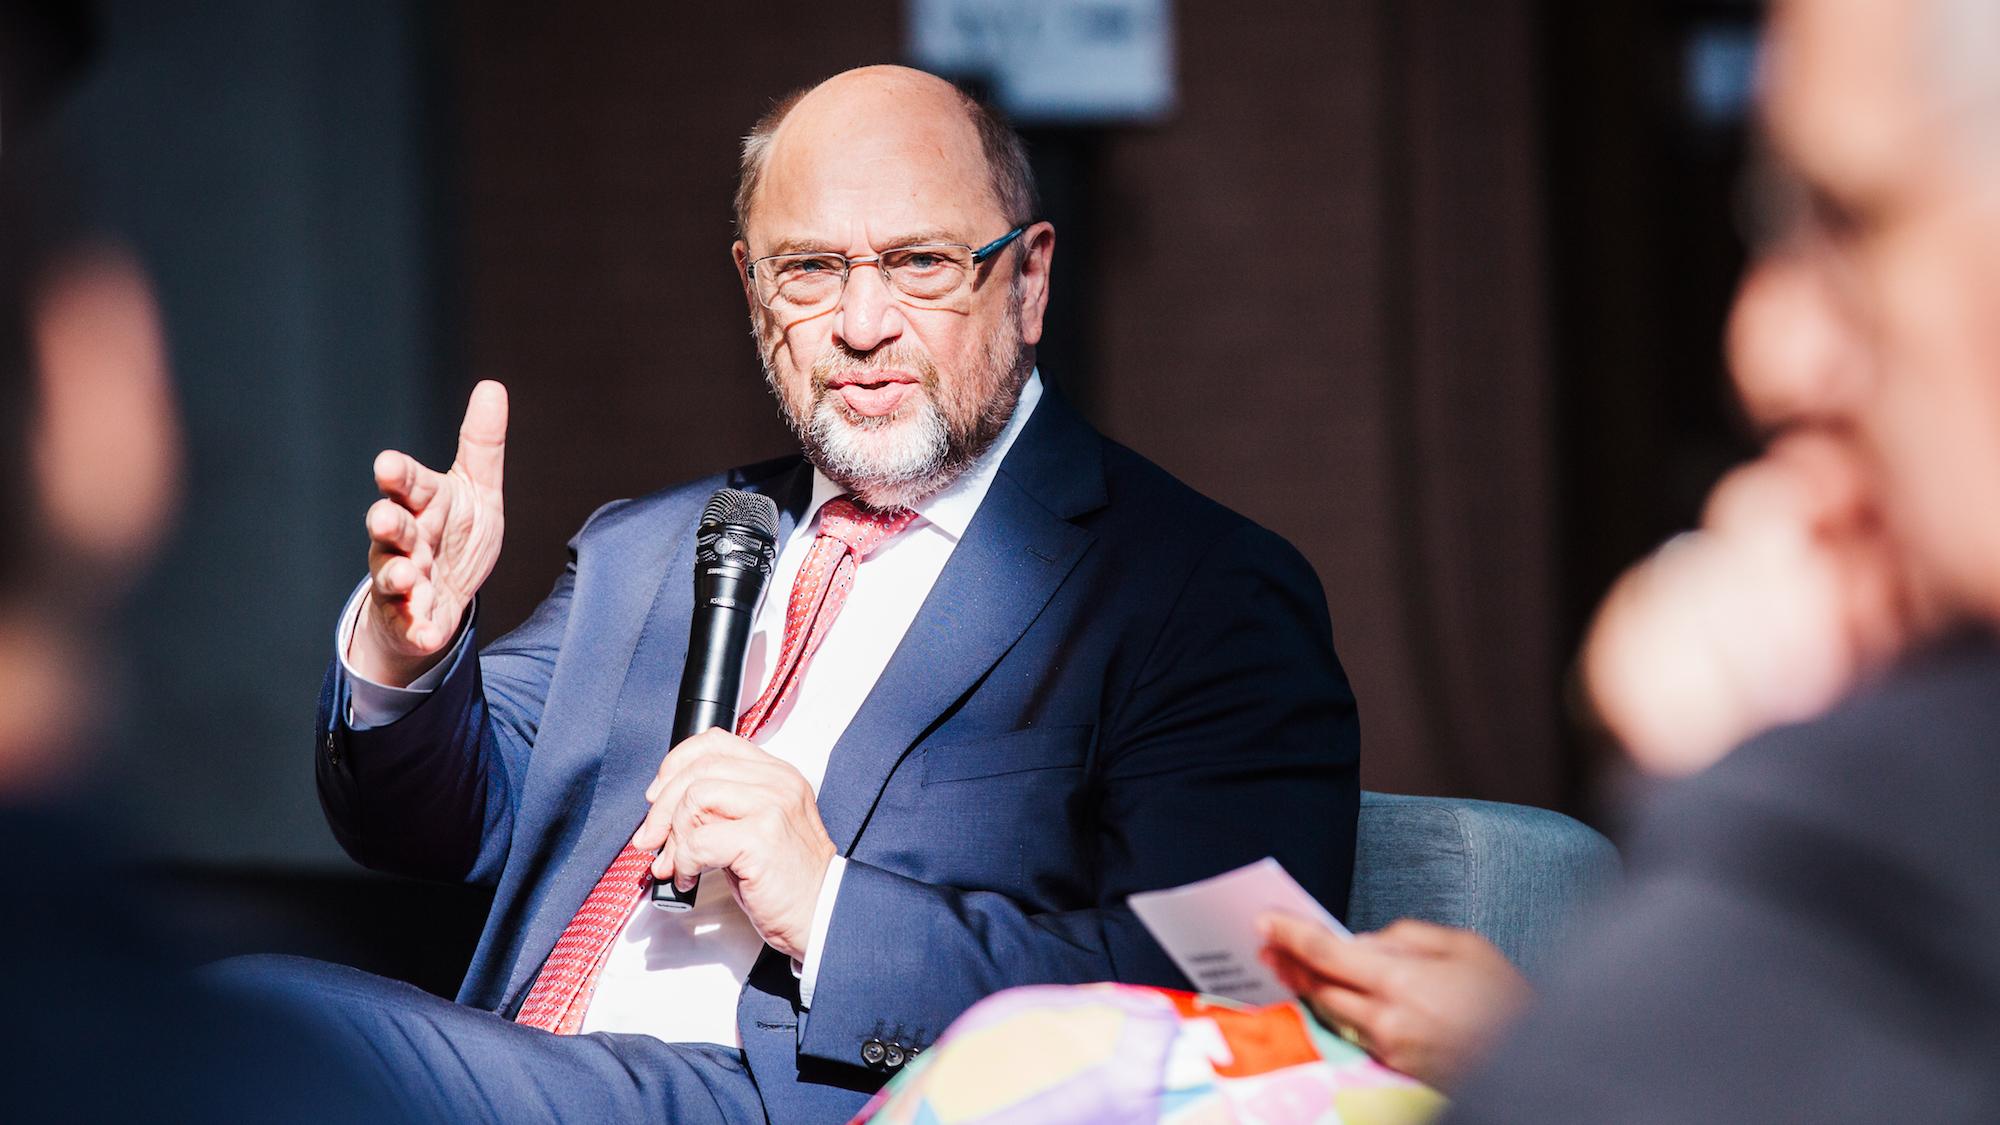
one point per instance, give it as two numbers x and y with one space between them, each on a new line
1010 178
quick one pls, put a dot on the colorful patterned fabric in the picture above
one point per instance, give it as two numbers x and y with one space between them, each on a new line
847 533
1118 1053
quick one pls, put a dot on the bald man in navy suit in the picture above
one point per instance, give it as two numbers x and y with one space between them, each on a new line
1059 678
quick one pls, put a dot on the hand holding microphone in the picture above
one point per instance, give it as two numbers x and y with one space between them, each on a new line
722 803
719 801
735 552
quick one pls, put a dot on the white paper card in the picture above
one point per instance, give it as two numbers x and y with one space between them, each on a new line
1209 928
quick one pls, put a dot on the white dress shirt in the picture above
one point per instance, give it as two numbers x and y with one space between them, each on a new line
677 976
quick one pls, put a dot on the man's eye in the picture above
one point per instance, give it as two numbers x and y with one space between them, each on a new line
811 266
925 263
1837 218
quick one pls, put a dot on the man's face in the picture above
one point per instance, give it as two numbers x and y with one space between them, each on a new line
891 399
1904 243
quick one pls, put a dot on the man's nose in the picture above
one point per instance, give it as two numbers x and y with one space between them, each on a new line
1793 355
869 314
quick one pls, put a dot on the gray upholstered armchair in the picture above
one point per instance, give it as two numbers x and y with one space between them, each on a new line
1514 874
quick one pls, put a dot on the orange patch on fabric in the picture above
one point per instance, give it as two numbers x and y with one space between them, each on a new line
1260 1040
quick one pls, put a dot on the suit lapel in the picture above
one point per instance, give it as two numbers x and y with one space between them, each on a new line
636 737
1015 555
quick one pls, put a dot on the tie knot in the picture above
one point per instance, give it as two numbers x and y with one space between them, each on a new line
862 529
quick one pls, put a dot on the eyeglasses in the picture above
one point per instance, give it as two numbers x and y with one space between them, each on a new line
928 275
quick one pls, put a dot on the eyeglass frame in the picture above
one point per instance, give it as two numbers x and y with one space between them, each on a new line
980 257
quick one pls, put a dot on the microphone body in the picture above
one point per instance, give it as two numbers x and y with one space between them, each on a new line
735 552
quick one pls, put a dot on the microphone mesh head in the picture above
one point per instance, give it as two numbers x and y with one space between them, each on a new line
748 510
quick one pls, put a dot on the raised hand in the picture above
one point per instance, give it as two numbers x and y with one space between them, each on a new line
432 540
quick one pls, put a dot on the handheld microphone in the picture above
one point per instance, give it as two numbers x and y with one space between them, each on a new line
735 549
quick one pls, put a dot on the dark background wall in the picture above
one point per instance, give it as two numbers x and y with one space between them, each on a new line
1432 288
1314 292
273 165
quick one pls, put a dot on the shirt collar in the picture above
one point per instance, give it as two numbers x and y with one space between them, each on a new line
951 508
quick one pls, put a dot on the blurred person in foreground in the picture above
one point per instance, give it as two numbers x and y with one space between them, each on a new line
1059 677
87 462
89 471
106 1021
1811 926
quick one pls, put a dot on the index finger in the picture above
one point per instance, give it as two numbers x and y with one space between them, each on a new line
667 801
403 479
1325 952
689 753
1805 480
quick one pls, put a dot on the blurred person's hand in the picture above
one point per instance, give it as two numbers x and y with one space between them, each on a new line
1791 593
1427 1000
432 540
1785 599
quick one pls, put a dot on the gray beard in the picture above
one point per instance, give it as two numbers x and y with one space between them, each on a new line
889 462
924 451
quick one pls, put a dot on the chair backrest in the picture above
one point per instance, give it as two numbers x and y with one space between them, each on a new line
1514 874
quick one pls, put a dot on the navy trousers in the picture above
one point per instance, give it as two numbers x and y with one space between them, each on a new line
447 1062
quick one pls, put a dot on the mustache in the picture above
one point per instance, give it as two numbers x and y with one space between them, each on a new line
840 361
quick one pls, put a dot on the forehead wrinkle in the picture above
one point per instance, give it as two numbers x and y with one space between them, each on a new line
807 244
862 178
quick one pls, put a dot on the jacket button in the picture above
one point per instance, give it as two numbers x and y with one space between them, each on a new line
873 1051
893 1056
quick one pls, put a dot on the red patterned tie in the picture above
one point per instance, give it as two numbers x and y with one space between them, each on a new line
847 534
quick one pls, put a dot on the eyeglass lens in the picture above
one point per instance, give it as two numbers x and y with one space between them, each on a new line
805 282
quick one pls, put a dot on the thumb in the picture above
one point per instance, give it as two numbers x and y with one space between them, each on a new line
1418 936
1316 947
482 437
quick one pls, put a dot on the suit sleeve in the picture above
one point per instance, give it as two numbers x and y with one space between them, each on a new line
433 794
1237 739
1806 935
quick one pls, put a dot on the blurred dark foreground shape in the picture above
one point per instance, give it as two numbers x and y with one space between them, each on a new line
105 1017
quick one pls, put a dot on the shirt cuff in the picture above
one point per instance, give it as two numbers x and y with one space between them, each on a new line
829 889
370 704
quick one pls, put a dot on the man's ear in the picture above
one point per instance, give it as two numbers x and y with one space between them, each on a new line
1038 251
740 251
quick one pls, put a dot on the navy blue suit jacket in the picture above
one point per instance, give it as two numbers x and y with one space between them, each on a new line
1116 685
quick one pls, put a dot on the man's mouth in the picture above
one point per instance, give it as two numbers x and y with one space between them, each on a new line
874 394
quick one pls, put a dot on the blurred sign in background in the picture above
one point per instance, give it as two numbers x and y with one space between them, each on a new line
1053 61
